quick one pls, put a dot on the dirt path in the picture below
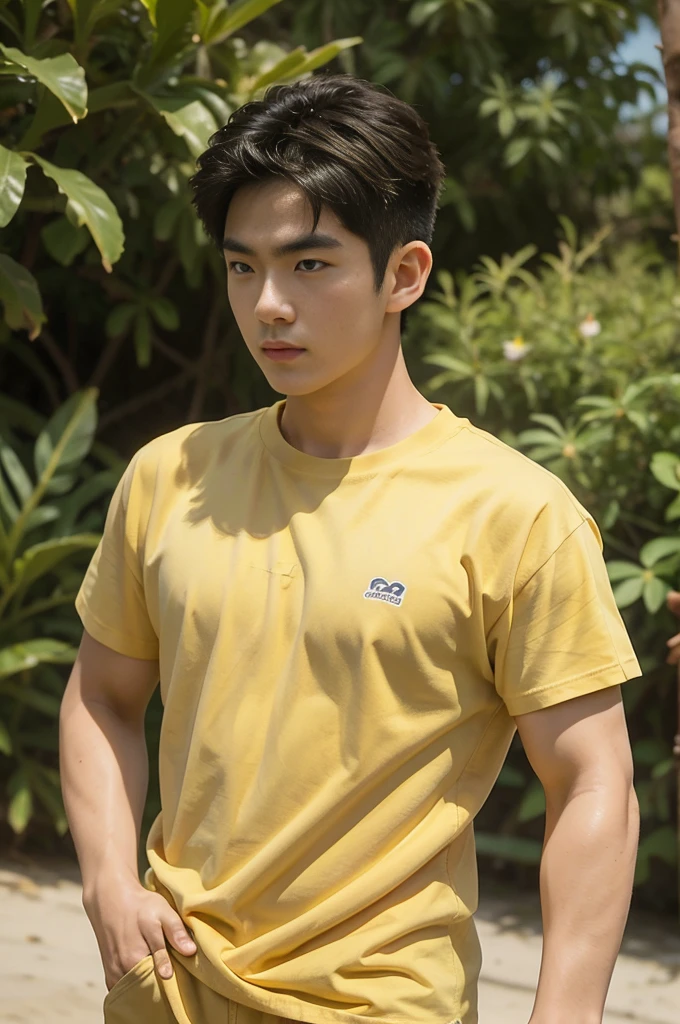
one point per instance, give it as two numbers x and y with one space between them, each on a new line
50 969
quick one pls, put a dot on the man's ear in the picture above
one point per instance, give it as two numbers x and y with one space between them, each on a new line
409 270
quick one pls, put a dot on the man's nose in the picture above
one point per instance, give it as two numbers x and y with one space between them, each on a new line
272 304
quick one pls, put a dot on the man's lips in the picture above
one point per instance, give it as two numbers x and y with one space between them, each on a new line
280 352
278 345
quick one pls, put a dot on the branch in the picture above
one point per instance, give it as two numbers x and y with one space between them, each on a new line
68 374
205 362
133 405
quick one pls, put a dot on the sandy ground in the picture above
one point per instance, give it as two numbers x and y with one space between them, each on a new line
50 969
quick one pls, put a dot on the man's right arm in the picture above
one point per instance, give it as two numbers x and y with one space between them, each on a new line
104 776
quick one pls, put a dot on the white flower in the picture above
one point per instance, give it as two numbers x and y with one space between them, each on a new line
516 349
590 327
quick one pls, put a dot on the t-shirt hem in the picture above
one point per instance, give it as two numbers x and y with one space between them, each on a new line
118 642
590 682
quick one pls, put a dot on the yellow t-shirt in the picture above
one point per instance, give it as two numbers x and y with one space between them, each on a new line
342 644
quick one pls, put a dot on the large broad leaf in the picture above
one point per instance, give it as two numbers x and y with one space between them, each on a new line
43 558
19 657
62 75
512 848
666 468
86 14
188 118
228 19
20 297
661 547
18 477
172 20
63 240
20 810
322 55
60 449
67 437
12 182
89 205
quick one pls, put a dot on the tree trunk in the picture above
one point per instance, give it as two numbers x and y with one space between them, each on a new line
669 21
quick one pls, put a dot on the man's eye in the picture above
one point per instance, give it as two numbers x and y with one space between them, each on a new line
237 263
320 262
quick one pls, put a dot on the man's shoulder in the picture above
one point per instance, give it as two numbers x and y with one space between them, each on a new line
188 450
512 482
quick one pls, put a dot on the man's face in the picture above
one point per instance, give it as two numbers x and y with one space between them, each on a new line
317 296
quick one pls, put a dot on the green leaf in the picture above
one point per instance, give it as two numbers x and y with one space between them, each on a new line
76 422
654 594
90 206
20 657
20 808
662 843
20 297
533 803
287 65
5 740
43 558
322 55
18 477
551 150
506 122
516 150
143 336
62 75
666 468
166 218
41 516
12 182
164 313
63 240
673 510
622 570
239 14
120 318
512 848
189 119
654 550
649 751
481 393
629 591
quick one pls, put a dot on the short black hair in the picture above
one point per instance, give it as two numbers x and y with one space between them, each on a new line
348 144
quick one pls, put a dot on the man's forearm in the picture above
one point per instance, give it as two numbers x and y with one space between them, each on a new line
104 773
586 882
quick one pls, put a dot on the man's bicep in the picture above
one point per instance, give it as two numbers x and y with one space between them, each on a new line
119 681
581 742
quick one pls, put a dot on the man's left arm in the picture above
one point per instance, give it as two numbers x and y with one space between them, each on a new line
581 753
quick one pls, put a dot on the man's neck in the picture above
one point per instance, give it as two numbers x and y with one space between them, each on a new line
356 417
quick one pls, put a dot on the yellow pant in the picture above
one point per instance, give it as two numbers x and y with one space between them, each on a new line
141 997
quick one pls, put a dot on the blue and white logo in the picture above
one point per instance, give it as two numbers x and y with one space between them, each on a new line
380 590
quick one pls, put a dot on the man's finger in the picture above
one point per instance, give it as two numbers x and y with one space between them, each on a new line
177 934
674 640
673 601
162 962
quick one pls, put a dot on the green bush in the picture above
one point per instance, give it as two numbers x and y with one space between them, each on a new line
51 512
574 362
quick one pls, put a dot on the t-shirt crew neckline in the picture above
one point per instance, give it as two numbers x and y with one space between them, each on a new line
441 428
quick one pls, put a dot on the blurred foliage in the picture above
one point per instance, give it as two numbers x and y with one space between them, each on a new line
531 105
51 514
573 362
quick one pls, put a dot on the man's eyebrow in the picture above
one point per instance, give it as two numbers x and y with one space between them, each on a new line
314 240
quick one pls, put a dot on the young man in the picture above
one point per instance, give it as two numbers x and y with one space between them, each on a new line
351 599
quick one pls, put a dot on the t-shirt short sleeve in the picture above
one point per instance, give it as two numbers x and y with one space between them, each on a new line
561 634
111 602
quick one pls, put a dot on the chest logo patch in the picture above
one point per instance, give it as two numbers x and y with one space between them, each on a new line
380 590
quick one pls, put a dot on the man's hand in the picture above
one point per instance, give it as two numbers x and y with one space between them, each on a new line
673 604
130 922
